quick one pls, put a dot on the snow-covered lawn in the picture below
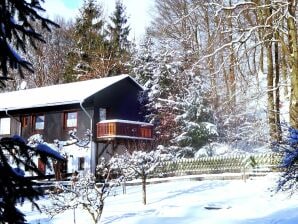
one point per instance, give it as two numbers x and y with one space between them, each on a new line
185 201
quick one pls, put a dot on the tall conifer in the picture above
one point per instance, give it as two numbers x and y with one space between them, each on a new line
16 27
118 32
90 42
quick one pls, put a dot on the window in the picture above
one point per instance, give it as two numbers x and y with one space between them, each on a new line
5 126
70 119
81 163
102 114
39 122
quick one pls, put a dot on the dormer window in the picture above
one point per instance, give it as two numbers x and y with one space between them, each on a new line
71 119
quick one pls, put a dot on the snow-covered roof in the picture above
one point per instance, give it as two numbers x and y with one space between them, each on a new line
62 94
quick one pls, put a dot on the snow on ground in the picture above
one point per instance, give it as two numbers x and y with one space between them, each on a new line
185 202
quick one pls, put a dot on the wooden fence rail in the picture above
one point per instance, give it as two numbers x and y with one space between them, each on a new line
220 164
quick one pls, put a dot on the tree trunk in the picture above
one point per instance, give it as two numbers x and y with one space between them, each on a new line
144 189
232 76
284 72
271 106
211 64
261 60
270 94
277 95
293 63
284 65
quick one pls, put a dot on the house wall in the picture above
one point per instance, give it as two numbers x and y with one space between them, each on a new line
121 102
13 126
53 126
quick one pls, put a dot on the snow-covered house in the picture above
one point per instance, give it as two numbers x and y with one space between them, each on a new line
109 107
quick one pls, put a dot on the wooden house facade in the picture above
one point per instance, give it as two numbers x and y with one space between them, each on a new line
108 107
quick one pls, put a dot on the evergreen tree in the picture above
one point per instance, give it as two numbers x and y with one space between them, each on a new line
14 186
90 44
160 73
16 20
174 100
117 32
193 120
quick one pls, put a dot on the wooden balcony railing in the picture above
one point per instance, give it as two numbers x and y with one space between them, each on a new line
124 129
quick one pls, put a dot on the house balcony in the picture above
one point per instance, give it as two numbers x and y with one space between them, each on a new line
124 129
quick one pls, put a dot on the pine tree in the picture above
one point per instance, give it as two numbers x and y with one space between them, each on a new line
174 100
14 186
193 121
90 46
117 32
16 20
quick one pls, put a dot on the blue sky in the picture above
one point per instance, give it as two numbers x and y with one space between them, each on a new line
72 4
137 11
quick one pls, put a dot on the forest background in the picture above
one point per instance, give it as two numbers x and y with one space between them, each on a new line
214 71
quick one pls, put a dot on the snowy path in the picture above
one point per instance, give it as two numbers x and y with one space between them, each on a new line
184 202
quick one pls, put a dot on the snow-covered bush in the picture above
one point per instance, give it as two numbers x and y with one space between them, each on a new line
138 164
85 193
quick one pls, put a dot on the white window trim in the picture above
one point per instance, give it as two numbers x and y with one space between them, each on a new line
5 126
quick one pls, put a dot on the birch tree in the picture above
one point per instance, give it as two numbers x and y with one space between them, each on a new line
291 8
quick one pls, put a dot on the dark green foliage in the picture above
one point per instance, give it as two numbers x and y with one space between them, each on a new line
97 52
117 33
16 21
90 44
14 186
194 124
118 30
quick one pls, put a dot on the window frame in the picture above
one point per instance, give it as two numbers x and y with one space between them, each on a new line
35 119
65 119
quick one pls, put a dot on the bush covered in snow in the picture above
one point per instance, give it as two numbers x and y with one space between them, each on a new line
138 164
84 193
